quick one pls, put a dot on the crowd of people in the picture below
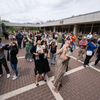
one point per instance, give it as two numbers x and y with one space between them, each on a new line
41 46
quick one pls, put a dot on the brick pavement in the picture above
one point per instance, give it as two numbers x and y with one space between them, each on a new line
41 93
79 85
26 71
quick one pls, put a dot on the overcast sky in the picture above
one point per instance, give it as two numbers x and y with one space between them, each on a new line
42 10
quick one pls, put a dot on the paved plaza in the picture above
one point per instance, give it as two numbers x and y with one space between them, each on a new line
80 83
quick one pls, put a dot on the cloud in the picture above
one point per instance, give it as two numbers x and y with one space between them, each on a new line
42 10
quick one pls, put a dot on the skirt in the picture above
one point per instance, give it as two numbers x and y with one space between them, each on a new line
60 71
43 66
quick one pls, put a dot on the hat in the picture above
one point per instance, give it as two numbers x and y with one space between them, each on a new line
0 39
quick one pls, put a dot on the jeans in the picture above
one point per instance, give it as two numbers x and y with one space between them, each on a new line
14 68
63 42
3 61
87 59
98 59
73 44
53 58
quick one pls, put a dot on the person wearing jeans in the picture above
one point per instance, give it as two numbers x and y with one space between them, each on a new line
3 60
73 45
14 68
13 51
52 58
73 37
91 46
53 48
19 39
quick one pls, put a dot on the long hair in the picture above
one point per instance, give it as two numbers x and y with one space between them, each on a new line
16 47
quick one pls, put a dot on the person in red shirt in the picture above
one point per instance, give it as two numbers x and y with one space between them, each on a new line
73 37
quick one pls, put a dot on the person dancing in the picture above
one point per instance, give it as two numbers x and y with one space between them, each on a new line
61 66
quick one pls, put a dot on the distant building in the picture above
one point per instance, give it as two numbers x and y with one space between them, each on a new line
85 23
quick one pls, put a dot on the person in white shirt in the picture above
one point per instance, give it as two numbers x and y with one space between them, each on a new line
59 34
98 39
89 36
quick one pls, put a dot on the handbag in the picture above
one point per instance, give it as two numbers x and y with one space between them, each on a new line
89 53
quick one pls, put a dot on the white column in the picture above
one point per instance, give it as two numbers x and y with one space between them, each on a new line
54 29
75 29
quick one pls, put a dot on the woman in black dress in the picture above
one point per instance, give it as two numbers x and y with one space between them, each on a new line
43 67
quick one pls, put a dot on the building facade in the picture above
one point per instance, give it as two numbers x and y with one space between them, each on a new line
85 23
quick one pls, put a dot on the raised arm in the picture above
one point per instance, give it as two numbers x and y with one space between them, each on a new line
29 39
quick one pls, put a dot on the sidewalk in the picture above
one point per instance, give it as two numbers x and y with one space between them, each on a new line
80 83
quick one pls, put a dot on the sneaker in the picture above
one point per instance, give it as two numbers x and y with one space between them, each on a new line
14 78
1 75
94 65
66 73
28 59
8 75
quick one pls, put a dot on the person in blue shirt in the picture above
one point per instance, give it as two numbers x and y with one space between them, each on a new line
19 39
98 55
90 49
24 41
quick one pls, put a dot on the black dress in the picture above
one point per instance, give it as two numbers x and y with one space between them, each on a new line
43 64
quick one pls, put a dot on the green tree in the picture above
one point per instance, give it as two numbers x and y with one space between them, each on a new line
4 20
19 28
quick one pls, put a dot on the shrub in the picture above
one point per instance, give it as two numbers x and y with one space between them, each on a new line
1 35
59 39
76 39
